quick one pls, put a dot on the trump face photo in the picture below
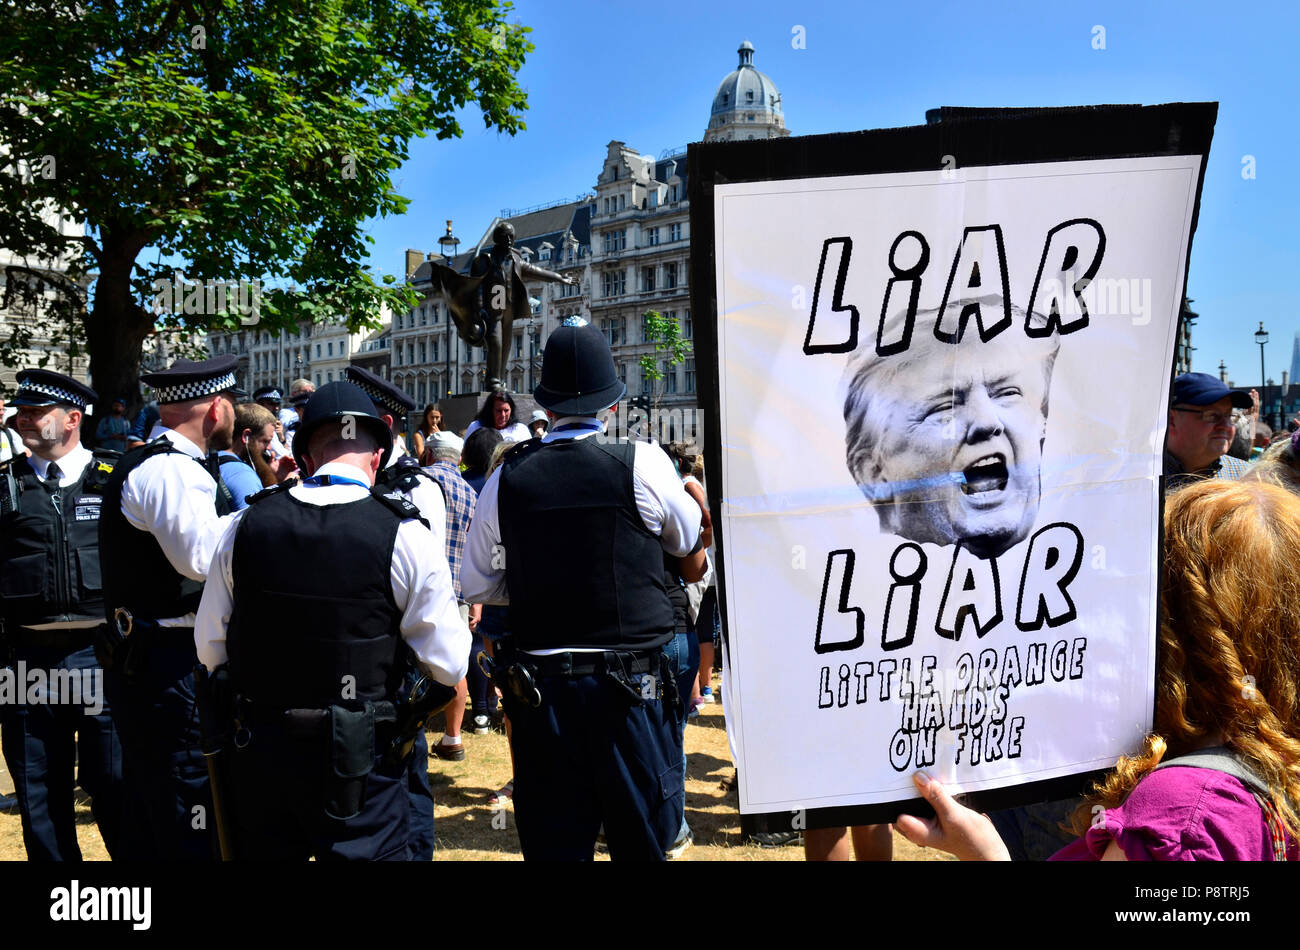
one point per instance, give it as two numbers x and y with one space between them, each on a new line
946 439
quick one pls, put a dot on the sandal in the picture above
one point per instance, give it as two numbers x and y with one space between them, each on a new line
506 793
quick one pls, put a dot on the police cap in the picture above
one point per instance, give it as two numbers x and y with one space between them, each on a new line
41 387
387 397
334 402
187 380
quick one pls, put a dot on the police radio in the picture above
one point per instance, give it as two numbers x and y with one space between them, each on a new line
8 490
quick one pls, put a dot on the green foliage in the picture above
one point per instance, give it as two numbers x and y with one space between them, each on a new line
669 347
250 140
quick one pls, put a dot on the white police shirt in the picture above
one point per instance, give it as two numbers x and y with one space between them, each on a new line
174 499
431 623
71 466
665 508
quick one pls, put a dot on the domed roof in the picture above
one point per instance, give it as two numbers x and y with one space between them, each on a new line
745 88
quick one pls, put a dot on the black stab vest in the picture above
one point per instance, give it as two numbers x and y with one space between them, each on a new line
137 574
49 547
582 569
313 602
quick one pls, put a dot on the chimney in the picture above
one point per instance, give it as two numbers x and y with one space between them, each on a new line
1285 384
413 260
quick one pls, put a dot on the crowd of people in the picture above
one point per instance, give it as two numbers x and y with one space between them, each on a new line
279 600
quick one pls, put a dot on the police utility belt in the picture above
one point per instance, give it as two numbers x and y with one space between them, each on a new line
122 643
355 738
641 674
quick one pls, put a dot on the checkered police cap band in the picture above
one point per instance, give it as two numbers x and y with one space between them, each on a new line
31 389
378 395
195 389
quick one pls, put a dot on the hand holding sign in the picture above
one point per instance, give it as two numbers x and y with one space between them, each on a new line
954 828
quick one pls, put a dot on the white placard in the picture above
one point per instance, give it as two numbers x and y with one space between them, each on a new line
1005 451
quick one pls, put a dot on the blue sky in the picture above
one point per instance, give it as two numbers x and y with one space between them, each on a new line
646 73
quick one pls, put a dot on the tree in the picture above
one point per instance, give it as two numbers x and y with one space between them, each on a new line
669 348
248 140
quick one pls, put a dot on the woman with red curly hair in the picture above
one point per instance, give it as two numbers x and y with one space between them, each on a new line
1219 779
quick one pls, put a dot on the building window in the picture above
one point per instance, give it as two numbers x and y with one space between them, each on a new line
652 237
647 384
614 283
410 355
519 344
517 380
329 376
670 275
331 348
674 230
435 351
467 359
424 320
318 382
674 194
614 329
688 328
647 278
645 329
615 241
622 373
424 355
424 391
670 378
690 376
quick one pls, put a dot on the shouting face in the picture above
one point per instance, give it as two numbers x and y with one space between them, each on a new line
947 440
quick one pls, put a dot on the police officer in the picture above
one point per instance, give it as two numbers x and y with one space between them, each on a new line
269 398
403 474
160 524
50 605
571 531
319 594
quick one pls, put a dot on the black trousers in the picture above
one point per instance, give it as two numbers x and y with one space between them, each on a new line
590 755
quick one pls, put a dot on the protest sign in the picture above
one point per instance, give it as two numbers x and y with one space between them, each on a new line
941 393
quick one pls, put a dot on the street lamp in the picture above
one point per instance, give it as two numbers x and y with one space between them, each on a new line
449 244
1261 337
1223 372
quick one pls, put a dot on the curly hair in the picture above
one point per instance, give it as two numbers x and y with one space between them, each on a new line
1228 654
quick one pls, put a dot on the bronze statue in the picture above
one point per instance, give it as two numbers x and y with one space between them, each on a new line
485 304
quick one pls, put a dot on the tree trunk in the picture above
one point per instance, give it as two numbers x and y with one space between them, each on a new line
115 329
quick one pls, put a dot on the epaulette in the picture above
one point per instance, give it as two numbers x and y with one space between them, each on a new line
403 475
519 449
268 492
398 504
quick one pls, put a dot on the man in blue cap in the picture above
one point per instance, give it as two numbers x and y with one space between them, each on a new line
1203 415
571 531
162 519
50 607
